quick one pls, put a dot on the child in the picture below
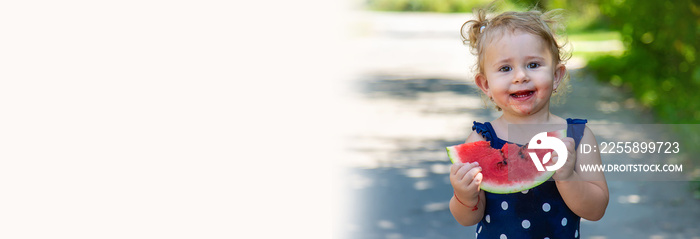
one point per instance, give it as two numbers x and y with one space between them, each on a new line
520 65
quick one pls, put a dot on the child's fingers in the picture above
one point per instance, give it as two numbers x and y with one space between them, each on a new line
454 170
455 166
475 185
569 142
470 176
462 171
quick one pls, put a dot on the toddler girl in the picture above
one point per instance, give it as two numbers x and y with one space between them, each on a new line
520 65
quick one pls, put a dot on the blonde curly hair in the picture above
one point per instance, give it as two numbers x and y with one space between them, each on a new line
477 33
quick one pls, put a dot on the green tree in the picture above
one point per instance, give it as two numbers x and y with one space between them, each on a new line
660 64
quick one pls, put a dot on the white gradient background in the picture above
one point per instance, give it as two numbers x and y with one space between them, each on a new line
170 119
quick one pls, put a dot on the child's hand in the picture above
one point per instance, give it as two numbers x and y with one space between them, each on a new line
567 170
466 181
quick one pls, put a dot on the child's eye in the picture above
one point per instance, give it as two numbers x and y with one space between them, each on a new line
533 65
505 69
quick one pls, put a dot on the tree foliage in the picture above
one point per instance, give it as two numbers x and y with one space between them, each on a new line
660 64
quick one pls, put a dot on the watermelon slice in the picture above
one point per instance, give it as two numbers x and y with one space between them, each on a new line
506 170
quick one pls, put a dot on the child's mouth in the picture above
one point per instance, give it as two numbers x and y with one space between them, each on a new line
523 95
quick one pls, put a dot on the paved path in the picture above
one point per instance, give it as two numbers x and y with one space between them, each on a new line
415 99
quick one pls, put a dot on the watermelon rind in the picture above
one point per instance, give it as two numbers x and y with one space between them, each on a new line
517 187
452 153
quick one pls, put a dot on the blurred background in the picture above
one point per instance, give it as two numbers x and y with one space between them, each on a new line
634 62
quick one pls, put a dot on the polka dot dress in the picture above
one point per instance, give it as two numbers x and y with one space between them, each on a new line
539 212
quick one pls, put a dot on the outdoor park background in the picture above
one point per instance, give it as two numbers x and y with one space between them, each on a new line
634 62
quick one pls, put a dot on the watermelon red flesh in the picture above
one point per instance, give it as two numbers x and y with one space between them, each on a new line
505 170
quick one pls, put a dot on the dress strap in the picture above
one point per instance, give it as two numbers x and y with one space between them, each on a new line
575 129
486 130
483 130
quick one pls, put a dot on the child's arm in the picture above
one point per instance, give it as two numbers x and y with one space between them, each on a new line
466 182
467 194
585 193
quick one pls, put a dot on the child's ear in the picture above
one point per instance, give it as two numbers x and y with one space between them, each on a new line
482 83
559 73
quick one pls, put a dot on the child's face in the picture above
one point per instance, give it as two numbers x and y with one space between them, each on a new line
519 73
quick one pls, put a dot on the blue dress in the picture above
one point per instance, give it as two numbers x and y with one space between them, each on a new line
539 212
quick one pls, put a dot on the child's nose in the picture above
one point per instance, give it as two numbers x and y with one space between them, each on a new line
520 76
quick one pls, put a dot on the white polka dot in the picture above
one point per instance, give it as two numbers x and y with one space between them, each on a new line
526 224
504 205
576 233
563 221
488 219
477 235
546 207
503 236
525 192
546 238
479 229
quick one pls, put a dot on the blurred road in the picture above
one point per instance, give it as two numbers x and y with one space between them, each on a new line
415 96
